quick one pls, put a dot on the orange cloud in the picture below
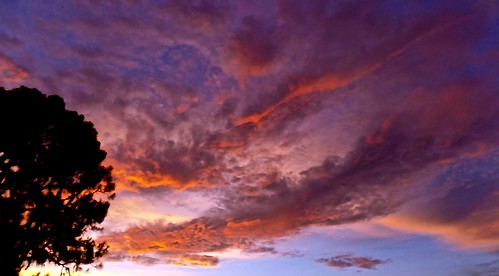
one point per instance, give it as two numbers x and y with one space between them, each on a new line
10 72
150 179
196 260
190 237
187 173
193 243
471 234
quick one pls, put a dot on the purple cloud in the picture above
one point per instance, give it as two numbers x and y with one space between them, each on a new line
348 260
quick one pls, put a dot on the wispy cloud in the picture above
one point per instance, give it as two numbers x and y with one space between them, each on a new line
348 260
11 75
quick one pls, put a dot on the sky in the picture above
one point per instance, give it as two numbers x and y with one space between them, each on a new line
280 137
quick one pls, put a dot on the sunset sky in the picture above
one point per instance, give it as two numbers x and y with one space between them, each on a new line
280 137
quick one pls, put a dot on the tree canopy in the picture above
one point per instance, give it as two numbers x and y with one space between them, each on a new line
53 186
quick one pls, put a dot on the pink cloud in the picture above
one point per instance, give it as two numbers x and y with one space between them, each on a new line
11 75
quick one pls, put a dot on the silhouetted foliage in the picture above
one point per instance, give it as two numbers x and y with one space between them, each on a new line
53 187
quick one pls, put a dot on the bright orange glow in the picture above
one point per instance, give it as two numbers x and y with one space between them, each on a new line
461 235
149 179
197 260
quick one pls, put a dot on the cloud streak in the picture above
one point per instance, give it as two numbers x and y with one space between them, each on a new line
347 261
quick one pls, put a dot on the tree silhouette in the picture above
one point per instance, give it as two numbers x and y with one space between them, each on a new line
53 187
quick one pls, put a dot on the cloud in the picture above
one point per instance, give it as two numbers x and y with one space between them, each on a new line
10 74
10 40
140 259
379 174
371 180
194 236
197 260
461 210
185 65
349 61
198 16
485 269
346 261
168 163
185 243
288 114
191 260
255 45
385 170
